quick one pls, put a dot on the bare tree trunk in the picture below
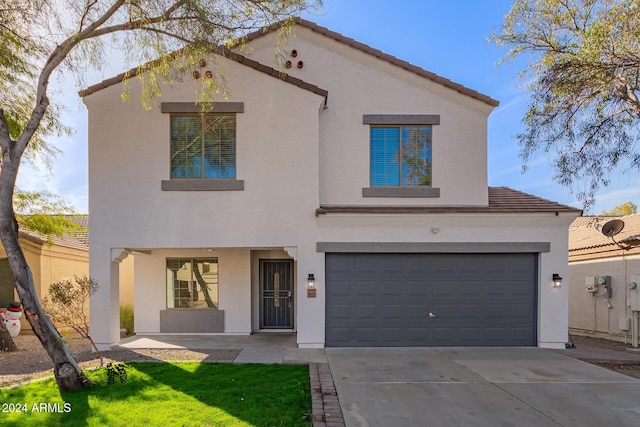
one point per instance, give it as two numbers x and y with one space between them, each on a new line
6 342
65 369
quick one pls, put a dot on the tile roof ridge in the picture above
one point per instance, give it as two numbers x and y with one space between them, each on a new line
328 33
395 61
219 50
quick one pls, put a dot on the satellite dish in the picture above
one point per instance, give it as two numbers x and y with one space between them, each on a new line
613 227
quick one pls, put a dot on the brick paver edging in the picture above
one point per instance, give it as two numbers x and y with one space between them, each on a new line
324 398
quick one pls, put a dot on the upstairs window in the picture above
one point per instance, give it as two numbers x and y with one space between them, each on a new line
203 146
400 156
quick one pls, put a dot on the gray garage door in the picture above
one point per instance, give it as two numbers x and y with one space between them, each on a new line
431 300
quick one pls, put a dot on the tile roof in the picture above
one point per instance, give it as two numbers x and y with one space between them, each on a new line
300 83
75 239
585 234
501 200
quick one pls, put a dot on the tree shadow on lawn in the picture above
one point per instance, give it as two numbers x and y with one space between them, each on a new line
253 394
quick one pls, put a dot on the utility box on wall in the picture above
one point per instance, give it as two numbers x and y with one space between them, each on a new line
594 283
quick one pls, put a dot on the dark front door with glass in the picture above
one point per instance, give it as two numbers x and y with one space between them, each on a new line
276 294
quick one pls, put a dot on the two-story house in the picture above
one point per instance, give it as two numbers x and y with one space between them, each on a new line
344 197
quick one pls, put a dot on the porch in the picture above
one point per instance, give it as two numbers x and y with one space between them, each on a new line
263 347
183 293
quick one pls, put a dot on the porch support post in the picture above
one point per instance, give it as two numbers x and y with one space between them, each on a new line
105 303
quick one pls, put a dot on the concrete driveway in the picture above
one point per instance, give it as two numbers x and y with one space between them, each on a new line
479 387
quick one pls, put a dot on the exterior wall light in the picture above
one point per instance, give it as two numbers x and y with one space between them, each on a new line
557 280
311 282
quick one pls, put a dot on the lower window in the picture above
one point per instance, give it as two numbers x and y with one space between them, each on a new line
192 283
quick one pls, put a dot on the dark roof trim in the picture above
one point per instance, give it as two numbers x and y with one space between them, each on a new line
222 51
501 200
433 247
381 55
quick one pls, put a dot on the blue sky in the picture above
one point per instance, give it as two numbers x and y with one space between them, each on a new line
449 38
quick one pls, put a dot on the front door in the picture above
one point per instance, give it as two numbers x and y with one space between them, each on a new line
276 294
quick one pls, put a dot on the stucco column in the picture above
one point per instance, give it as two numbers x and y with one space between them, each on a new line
105 303
553 309
311 311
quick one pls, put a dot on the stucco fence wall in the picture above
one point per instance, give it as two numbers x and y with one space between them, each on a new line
594 314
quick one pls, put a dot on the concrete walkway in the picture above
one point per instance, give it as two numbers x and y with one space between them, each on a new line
257 348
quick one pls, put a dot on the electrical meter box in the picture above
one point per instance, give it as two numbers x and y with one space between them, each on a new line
594 283
605 281
591 284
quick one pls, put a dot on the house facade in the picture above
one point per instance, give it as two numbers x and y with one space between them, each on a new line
603 300
343 197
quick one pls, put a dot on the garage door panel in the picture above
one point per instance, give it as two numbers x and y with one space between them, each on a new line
368 336
365 312
339 312
415 312
393 335
393 312
391 289
386 299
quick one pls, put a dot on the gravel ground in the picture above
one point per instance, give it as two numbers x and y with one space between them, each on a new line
631 369
32 362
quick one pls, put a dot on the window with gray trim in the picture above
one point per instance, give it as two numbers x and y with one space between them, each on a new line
400 155
203 146
192 283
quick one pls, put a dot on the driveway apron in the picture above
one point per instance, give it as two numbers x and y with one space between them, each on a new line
479 387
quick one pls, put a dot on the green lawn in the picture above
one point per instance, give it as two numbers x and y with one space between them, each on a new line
168 394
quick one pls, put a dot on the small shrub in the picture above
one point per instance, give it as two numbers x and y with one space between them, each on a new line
126 318
67 305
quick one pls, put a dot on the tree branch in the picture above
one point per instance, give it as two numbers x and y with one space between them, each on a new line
54 60
86 12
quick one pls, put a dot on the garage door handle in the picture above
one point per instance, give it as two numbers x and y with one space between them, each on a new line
432 315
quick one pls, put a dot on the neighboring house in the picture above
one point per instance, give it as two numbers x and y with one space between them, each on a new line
54 259
594 256
50 260
344 198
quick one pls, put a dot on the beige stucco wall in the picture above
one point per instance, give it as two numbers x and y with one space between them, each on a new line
277 152
552 302
359 83
293 155
597 315
52 263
